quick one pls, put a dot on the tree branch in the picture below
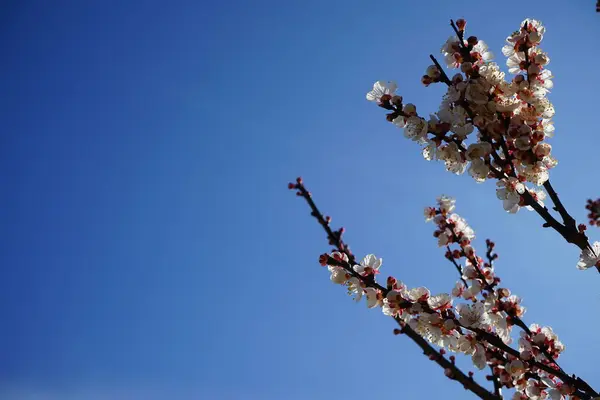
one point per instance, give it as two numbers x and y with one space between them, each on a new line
451 370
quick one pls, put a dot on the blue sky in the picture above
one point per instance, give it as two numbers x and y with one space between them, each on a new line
151 249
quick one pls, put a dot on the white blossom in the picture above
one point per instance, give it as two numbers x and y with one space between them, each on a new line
374 297
369 265
478 357
472 315
381 88
440 301
479 170
416 129
589 257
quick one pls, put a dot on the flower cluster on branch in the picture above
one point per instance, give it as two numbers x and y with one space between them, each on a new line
491 127
475 318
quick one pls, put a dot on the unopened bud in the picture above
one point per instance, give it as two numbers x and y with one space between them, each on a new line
433 71
472 40
397 331
535 37
581 227
291 186
426 80
410 109
461 24
541 59
323 259
457 78
466 67
448 372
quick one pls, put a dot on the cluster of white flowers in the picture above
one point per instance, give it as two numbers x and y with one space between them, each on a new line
512 117
464 320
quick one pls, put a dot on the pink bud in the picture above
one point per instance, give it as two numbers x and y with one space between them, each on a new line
461 24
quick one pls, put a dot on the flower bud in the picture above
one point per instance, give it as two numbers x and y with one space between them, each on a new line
534 37
466 67
410 109
323 259
461 24
432 71
457 78
541 59
542 149
426 80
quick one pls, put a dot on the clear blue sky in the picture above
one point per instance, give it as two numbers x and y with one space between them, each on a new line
150 248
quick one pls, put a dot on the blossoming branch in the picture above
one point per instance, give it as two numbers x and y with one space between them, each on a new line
512 121
493 129
475 318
